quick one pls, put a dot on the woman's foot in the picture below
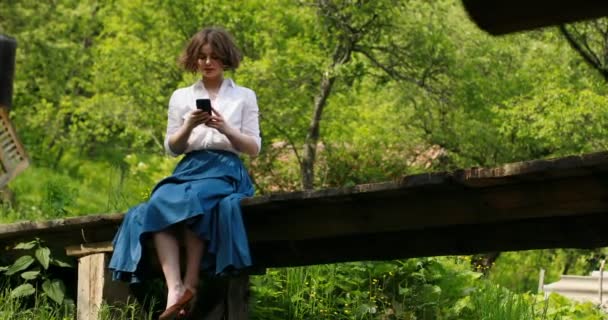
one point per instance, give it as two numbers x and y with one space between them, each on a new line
189 307
176 302
174 294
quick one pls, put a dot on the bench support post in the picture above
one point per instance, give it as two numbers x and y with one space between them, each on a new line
95 283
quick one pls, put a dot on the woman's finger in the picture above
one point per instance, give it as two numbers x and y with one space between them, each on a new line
214 111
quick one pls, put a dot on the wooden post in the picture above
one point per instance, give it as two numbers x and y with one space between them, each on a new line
95 283
601 290
224 298
541 280
90 286
238 298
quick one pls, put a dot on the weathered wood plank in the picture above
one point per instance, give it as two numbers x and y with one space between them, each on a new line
582 231
87 249
90 286
80 226
95 286
388 212
13 158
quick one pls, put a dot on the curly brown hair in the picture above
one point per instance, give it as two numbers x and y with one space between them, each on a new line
222 45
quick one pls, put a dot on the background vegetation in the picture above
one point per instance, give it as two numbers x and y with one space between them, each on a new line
350 92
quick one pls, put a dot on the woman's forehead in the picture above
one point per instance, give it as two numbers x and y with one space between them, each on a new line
206 48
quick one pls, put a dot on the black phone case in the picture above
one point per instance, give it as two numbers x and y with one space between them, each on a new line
204 104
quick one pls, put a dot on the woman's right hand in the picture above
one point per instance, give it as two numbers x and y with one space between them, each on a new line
196 118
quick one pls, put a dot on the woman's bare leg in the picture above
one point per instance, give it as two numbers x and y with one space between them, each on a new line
167 249
194 247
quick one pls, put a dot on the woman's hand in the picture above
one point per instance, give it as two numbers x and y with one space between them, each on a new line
196 118
239 141
216 121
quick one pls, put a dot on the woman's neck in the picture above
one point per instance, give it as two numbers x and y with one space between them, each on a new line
213 84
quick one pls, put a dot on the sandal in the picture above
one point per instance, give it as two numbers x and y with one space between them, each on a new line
173 311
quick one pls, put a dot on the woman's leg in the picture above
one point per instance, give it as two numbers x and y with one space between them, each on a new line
167 249
194 247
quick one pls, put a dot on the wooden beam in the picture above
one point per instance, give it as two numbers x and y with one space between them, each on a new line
449 205
438 213
85 249
582 231
505 16
95 286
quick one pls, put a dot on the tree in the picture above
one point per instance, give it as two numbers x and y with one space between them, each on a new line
590 40
347 25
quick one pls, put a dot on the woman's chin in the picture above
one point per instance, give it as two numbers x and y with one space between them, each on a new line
211 74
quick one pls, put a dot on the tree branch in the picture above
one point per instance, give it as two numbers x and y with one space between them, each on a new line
589 57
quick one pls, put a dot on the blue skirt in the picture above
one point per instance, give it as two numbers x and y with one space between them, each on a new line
204 192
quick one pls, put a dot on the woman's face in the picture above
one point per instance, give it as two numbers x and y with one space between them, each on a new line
209 64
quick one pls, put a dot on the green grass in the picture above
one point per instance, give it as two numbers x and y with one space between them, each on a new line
41 308
83 188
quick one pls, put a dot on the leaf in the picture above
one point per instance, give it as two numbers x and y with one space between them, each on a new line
23 290
30 275
25 245
43 255
54 289
60 263
20 264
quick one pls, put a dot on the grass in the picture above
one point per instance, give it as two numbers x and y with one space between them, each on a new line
39 307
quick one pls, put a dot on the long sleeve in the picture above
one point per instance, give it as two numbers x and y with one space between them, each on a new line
250 124
174 122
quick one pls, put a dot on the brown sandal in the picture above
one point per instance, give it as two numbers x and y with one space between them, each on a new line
173 311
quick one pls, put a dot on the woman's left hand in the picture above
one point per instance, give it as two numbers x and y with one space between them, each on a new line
217 122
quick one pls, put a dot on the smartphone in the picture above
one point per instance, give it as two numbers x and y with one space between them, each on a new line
204 104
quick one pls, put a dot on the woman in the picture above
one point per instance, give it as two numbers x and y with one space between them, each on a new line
200 201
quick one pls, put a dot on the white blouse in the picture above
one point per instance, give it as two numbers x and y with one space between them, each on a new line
238 105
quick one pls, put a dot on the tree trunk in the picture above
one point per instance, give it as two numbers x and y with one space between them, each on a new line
312 137
340 57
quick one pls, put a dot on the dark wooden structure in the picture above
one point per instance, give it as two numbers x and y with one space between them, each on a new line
527 205
506 16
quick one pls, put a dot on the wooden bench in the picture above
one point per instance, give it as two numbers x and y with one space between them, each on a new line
445 213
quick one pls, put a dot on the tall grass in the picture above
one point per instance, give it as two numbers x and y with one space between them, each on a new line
354 291
498 303
37 308
40 307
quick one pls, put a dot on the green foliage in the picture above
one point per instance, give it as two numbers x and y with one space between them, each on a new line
554 122
34 269
41 309
417 288
93 80
519 271
495 302
490 301
44 309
